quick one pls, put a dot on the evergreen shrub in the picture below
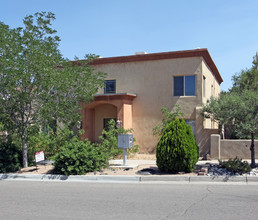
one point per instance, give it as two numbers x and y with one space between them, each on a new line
177 150
10 157
78 157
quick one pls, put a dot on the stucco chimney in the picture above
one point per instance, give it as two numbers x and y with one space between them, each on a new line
140 53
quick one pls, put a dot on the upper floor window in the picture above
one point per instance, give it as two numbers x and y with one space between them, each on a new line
184 85
110 86
203 86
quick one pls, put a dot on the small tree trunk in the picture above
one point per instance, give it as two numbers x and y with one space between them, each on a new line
252 152
24 153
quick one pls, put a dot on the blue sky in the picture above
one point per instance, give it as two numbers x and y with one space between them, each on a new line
228 28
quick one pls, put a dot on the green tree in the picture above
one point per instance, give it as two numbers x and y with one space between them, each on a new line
246 79
37 84
167 118
238 108
218 110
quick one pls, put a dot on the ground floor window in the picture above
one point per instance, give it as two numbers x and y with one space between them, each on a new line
192 124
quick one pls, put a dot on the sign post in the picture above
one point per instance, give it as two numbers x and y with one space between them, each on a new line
39 156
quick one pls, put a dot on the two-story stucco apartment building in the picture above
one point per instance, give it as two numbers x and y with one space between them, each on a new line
138 86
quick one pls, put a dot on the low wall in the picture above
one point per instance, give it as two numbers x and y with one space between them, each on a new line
225 149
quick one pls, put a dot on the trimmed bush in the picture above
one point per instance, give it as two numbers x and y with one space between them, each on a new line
79 157
10 157
177 150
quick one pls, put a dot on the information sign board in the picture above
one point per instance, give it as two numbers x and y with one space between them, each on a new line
39 156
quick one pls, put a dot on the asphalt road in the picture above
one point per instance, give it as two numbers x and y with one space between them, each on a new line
69 200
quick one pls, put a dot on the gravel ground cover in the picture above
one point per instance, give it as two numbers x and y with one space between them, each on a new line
215 170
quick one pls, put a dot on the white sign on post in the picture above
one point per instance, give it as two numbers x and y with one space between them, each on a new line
39 156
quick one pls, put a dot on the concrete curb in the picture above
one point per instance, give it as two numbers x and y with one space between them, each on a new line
204 179
165 178
131 179
238 179
72 178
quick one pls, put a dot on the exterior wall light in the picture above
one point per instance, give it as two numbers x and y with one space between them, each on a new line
118 123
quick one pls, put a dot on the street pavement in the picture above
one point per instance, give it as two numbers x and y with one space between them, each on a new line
80 200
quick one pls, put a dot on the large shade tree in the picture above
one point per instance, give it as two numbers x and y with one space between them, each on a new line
37 85
238 108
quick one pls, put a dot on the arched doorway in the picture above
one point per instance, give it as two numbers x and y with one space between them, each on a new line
103 113
116 106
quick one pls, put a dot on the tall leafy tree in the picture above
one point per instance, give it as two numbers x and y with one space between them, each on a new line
238 108
37 85
246 79
168 117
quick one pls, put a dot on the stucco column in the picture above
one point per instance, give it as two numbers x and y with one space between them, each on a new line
215 146
124 113
127 116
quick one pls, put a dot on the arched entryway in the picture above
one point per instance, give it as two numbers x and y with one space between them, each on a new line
116 106
103 113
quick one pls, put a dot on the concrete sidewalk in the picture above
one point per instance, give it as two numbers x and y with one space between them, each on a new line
135 179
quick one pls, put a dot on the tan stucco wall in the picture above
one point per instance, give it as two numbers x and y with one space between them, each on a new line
215 146
152 82
212 88
212 85
203 134
225 149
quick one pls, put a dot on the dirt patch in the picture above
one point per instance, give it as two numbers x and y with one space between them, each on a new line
142 157
39 169
137 171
